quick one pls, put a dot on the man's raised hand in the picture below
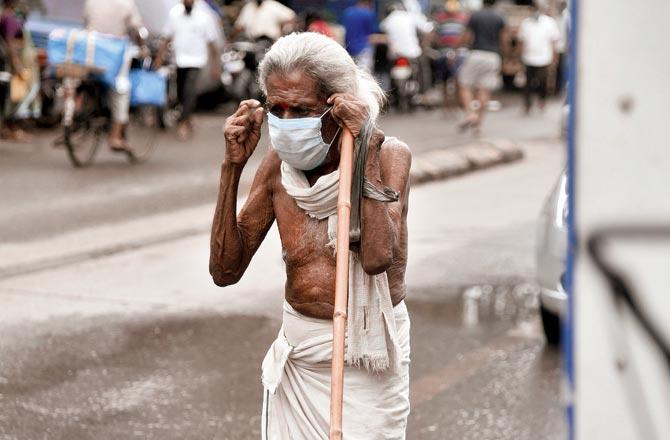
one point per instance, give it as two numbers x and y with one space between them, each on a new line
242 132
348 111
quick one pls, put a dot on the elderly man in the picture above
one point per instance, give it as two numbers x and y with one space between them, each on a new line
313 90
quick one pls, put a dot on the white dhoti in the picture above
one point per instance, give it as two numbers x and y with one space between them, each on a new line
296 380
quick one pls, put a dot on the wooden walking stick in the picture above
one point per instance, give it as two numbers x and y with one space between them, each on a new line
341 283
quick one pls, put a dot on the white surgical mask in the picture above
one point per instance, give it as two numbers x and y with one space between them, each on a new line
298 142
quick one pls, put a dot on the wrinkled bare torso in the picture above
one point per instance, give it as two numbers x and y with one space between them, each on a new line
310 262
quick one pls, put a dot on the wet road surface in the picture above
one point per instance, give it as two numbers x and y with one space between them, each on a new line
197 376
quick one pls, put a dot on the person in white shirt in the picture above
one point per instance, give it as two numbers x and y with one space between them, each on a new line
402 30
193 34
538 36
264 19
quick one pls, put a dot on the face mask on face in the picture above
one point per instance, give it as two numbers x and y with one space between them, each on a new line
298 142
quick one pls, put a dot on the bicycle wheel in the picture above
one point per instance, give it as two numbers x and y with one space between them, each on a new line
82 141
83 131
142 132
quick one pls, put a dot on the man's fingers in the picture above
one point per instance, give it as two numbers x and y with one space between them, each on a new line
241 121
234 131
340 98
251 103
258 116
243 109
247 108
250 121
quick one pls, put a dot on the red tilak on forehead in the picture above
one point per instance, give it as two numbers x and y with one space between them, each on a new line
282 105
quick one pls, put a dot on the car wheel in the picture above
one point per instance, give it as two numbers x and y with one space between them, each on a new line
552 326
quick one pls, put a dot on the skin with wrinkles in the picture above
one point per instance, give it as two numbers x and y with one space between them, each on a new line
310 263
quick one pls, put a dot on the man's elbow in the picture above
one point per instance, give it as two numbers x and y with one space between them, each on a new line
223 278
377 264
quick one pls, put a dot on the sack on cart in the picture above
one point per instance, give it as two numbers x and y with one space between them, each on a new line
76 52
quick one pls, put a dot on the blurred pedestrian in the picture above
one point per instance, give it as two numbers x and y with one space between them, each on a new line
481 69
193 34
360 23
562 46
450 21
14 45
120 18
315 23
538 36
266 19
402 29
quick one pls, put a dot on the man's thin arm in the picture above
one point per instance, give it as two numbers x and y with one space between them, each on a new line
162 50
381 222
504 39
235 239
466 38
213 52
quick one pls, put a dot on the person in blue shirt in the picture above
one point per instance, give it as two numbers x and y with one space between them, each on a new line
359 22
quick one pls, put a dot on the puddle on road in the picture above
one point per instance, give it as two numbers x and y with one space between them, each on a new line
169 377
486 302
481 369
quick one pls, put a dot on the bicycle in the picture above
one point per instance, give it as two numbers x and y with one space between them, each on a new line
87 118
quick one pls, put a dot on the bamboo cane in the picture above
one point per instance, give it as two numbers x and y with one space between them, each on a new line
341 284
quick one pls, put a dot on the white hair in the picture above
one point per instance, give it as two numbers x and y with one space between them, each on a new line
327 63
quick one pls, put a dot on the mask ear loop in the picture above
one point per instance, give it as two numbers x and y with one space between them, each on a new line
338 128
334 136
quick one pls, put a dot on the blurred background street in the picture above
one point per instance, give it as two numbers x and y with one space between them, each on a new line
38 178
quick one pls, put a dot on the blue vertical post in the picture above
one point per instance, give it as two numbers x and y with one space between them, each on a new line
569 323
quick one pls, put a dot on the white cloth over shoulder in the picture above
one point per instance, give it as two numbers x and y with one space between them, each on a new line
370 325
296 378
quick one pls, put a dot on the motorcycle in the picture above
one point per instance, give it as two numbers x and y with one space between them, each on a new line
405 82
239 68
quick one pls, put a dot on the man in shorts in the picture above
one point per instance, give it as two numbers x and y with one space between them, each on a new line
120 18
481 69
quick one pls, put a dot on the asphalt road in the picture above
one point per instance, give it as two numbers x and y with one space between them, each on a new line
196 376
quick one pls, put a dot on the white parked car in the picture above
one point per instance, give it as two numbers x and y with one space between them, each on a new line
552 239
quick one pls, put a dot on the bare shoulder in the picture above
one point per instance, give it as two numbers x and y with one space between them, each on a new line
393 145
269 168
397 152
